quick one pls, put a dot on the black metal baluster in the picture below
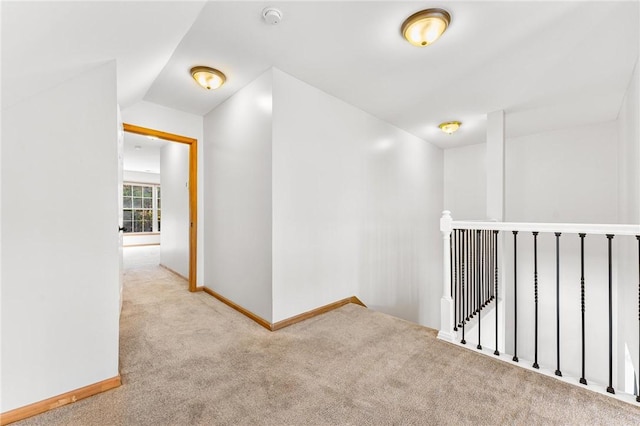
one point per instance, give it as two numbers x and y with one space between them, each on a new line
460 276
474 245
495 261
454 267
535 294
483 272
469 310
638 238
515 296
582 379
492 247
487 289
474 296
451 276
495 282
478 269
494 291
470 280
558 372
462 288
492 265
491 285
478 292
487 271
483 267
469 276
610 387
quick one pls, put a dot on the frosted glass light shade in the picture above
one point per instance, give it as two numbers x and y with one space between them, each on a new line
424 27
450 126
209 78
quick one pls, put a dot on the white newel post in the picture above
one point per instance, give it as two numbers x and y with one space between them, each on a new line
446 303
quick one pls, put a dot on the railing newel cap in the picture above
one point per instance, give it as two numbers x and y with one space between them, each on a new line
445 222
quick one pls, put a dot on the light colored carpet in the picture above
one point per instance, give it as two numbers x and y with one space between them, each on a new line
141 256
187 359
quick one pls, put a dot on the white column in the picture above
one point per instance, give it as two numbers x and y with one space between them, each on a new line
446 303
495 166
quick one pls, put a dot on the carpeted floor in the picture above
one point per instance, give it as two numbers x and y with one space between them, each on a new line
140 256
187 359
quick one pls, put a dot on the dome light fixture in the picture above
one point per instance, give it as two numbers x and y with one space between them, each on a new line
209 78
424 27
449 127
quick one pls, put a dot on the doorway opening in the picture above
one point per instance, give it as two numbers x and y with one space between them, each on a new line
193 188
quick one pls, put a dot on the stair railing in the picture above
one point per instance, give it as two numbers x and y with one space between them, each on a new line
473 256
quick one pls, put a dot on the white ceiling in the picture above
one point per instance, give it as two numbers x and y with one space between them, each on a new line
144 159
547 64
46 43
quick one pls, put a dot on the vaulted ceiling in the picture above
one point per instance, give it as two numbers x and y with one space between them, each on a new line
547 64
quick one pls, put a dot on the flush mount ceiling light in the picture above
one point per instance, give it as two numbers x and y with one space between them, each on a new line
424 27
209 78
450 127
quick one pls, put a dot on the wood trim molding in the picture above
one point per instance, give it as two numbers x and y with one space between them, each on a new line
174 272
193 189
315 312
286 322
193 214
263 322
58 401
145 131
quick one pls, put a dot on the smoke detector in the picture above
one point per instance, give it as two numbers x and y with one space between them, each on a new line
271 15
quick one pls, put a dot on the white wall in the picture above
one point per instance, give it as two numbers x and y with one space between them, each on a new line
356 204
629 212
60 288
238 197
141 177
568 175
629 152
174 184
154 116
465 182
132 240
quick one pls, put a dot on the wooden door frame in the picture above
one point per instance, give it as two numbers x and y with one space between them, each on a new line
193 189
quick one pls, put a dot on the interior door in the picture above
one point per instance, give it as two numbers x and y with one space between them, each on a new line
120 218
